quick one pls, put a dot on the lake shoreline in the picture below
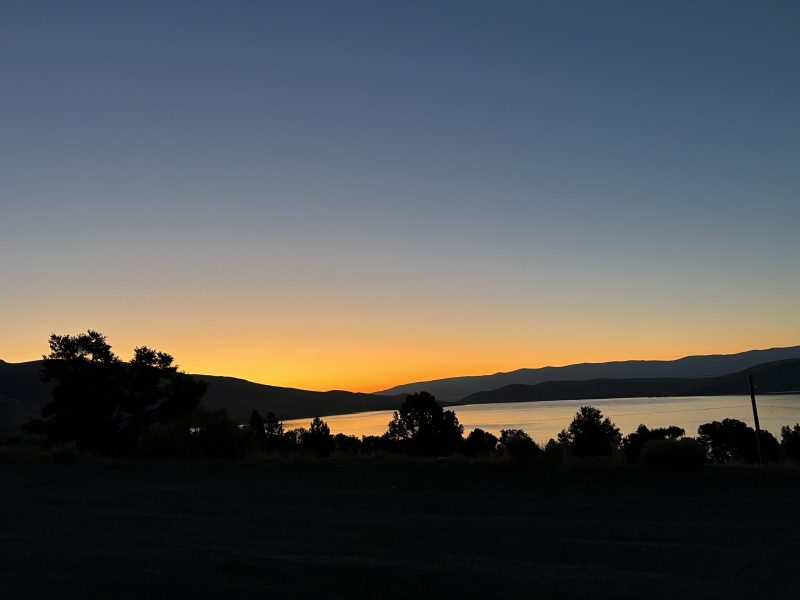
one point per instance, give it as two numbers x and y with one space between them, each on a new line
544 419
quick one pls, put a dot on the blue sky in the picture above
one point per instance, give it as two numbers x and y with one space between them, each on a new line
508 184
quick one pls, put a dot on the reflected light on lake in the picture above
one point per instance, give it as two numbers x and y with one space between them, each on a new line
543 420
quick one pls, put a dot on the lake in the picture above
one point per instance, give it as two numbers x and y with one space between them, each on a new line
543 420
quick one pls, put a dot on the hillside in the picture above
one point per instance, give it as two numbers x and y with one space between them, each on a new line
22 395
454 389
770 378
239 397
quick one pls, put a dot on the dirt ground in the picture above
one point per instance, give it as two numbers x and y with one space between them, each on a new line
375 529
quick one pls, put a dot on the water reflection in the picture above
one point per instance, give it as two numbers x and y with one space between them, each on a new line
543 420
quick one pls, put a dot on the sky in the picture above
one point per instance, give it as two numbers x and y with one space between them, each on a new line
355 195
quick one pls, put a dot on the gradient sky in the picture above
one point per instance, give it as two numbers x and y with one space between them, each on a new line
361 194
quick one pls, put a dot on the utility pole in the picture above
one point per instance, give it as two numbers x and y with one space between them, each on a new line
755 415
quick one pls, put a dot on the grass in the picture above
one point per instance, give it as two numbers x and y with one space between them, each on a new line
393 527
25 452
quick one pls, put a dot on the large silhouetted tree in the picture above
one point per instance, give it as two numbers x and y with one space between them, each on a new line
87 391
421 426
732 439
102 403
590 434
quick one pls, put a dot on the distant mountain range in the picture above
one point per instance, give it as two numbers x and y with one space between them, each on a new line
454 389
22 396
770 378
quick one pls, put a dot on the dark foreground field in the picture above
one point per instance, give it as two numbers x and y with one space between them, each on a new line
139 529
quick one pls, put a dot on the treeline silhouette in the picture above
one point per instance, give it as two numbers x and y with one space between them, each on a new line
146 406
102 403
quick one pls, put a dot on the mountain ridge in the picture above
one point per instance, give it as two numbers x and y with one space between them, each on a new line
776 377
453 389
22 394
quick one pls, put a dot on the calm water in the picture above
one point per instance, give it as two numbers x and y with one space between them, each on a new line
543 420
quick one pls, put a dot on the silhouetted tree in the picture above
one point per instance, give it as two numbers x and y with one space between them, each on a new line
421 426
554 451
257 429
518 445
294 437
790 442
182 396
480 443
87 393
590 434
770 447
319 427
274 440
102 403
633 443
734 440
272 425
318 439
346 444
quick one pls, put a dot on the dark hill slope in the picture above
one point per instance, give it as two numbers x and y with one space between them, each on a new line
22 396
456 388
239 397
774 377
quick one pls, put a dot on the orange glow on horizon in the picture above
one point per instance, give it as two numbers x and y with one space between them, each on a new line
360 369
369 346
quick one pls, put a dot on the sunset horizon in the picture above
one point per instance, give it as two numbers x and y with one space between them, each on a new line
209 366
415 299
314 202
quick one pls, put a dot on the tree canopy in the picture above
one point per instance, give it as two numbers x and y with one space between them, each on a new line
518 444
101 402
422 426
731 439
590 434
633 443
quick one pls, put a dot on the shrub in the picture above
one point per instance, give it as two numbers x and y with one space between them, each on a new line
633 443
346 444
790 442
293 438
770 447
518 445
370 444
38 451
673 454
554 451
480 443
